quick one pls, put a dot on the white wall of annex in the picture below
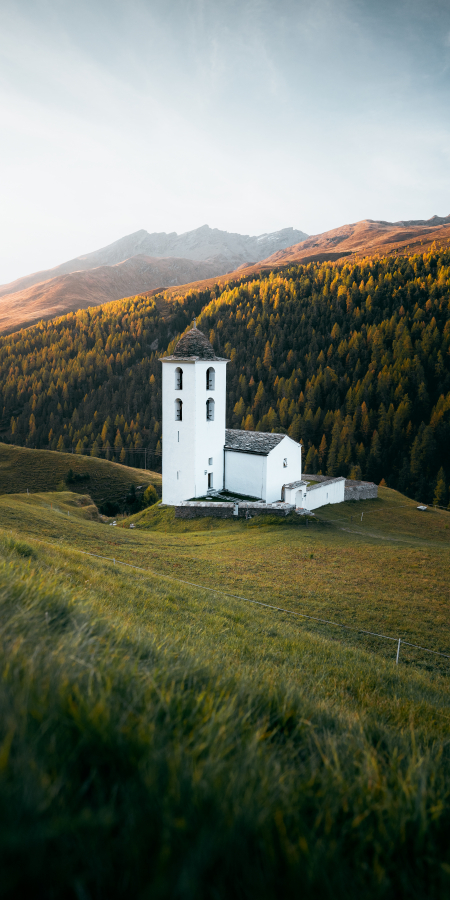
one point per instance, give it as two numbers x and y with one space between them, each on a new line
328 492
245 473
277 473
294 495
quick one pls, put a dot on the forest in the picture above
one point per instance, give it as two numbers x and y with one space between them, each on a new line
351 358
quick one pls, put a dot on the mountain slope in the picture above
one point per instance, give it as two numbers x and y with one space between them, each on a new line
79 290
351 358
148 261
200 244
364 238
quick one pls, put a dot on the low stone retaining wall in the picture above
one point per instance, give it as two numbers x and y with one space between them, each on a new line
188 509
360 490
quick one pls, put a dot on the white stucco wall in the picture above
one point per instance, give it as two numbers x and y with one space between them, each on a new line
277 473
321 494
245 473
296 494
263 476
189 444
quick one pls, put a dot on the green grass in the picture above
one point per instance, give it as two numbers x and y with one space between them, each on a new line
23 469
158 739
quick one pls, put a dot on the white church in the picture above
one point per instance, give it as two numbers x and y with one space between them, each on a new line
201 456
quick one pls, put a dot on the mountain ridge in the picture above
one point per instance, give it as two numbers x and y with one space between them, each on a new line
103 276
200 244
358 239
137 263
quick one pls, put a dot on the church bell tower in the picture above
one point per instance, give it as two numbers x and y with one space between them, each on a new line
193 419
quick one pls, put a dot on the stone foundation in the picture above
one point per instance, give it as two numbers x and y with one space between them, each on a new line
189 509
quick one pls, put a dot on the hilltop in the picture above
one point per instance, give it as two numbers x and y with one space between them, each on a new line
137 263
367 238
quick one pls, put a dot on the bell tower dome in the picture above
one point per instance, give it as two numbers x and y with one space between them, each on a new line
193 419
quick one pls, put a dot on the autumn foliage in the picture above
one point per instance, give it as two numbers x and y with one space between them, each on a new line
352 359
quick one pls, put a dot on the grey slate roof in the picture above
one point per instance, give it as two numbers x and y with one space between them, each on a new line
260 442
194 344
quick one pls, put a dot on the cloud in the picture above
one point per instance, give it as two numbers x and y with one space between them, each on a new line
247 114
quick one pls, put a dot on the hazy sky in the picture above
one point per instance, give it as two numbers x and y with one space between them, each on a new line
247 115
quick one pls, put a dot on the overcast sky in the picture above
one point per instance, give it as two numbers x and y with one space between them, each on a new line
247 115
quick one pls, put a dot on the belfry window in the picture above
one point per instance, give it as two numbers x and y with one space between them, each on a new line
178 410
210 379
210 410
178 379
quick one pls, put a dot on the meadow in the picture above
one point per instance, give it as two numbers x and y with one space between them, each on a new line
160 737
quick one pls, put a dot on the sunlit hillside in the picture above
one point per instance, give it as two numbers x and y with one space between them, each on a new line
351 358
23 470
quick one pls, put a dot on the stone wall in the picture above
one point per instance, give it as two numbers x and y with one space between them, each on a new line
360 490
188 509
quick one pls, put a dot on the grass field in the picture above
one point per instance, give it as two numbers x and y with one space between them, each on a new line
160 738
43 470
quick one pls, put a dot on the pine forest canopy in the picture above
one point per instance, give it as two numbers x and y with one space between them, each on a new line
351 358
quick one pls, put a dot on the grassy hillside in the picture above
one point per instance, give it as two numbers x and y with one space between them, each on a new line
22 469
350 357
160 739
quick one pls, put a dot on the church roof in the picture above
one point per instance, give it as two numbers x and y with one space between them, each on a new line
194 344
260 442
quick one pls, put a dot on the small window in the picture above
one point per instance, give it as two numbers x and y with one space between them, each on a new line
210 461
210 410
178 410
178 379
210 480
210 379
178 476
284 463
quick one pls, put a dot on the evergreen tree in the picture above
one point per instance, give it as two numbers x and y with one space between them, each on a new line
440 493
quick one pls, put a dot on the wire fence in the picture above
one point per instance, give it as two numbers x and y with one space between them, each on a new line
351 628
112 453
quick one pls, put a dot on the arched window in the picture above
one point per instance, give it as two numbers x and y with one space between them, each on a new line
178 410
178 379
210 379
210 410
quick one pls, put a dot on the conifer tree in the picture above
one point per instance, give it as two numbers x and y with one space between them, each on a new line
440 494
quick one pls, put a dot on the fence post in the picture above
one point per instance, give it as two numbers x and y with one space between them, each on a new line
398 651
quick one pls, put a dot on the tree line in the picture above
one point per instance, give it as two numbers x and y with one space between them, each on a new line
352 359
